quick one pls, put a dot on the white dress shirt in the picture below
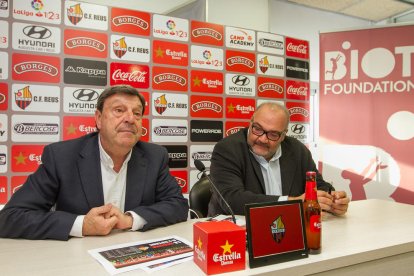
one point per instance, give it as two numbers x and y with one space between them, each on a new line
114 188
271 174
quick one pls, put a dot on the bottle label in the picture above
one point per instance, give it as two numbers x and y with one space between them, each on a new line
315 223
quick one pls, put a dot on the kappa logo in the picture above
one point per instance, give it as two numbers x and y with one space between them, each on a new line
277 228
240 60
75 14
207 32
85 95
23 97
37 32
130 20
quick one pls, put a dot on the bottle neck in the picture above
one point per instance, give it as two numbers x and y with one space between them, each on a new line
310 191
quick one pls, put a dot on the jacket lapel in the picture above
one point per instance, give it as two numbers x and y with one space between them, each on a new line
255 164
90 172
136 178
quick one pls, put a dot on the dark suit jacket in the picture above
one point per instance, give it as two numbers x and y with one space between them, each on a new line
239 178
70 179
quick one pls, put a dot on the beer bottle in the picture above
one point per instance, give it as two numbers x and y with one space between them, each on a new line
312 213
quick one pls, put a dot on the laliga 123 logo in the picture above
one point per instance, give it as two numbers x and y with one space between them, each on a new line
171 26
37 5
207 56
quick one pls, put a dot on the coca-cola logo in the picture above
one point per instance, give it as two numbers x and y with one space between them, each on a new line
300 91
301 48
134 76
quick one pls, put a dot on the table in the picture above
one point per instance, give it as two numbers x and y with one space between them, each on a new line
374 236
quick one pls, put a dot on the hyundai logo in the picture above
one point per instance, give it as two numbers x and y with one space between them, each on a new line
37 32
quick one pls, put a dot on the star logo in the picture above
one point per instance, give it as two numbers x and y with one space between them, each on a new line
159 52
200 243
227 247
20 159
230 108
196 81
71 129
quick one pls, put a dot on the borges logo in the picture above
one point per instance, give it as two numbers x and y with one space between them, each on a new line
206 105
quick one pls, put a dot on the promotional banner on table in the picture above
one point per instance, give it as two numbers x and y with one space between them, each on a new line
367 112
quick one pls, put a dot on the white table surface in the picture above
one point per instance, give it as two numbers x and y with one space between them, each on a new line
371 230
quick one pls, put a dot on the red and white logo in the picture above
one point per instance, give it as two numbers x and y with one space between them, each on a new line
26 158
165 78
207 33
3 189
206 82
240 61
297 90
4 92
17 182
182 179
74 127
130 21
135 75
84 43
35 68
240 108
232 127
297 48
206 107
299 112
170 53
270 87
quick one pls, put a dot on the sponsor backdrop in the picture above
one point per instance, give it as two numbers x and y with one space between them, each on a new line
202 81
367 112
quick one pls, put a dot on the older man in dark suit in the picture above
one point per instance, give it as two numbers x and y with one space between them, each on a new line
261 164
100 182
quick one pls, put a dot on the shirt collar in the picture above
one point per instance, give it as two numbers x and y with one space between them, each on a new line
107 160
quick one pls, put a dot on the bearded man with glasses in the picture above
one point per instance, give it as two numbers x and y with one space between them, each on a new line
262 164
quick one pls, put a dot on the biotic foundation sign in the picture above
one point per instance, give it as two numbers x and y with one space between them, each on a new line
367 112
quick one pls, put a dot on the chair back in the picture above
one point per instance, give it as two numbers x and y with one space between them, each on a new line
199 197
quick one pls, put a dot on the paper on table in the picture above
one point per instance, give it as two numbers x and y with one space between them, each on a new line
143 254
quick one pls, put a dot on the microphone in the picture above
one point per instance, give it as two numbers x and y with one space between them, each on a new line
200 166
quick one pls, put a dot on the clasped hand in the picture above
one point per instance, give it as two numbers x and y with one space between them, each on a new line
335 202
100 221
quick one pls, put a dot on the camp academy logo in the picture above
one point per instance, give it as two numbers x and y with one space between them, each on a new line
227 257
277 228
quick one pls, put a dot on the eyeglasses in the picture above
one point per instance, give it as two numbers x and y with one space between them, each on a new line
271 135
